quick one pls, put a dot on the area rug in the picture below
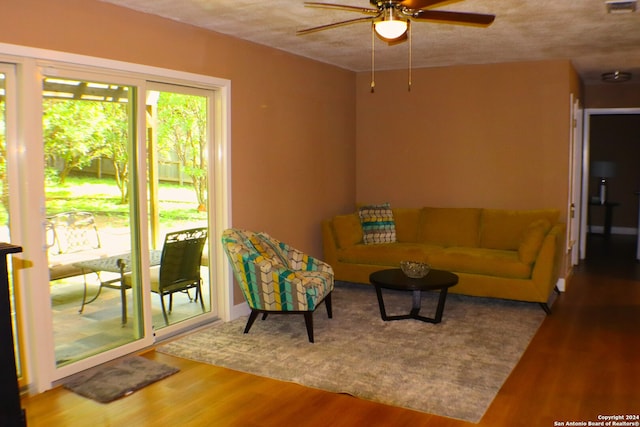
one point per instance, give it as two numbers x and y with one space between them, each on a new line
110 382
453 369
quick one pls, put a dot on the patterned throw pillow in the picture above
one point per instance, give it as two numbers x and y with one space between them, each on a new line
378 225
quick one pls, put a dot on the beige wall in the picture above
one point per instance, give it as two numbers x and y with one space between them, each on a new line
493 136
468 136
613 95
293 119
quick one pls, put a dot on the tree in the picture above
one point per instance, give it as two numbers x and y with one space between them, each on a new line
78 132
182 131
115 137
72 133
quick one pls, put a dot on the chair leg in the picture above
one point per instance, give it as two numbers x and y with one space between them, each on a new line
252 318
199 295
84 294
327 302
546 308
170 302
308 321
164 310
198 292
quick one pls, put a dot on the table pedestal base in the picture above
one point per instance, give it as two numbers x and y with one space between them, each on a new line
415 308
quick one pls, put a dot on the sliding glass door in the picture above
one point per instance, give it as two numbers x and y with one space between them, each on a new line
92 215
105 176
95 218
178 146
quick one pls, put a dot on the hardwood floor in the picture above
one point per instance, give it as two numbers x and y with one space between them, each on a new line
584 362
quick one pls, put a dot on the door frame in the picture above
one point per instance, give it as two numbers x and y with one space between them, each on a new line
13 181
575 171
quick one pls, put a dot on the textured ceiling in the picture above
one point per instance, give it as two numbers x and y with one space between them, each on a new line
578 30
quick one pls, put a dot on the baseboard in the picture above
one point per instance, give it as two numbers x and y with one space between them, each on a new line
632 231
240 310
629 231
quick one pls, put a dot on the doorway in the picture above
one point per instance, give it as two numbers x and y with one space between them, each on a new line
611 141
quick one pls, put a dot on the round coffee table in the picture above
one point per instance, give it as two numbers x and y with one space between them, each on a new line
395 279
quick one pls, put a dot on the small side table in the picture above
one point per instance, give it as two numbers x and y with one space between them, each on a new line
608 215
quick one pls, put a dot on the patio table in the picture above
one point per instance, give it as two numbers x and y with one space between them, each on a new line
113 264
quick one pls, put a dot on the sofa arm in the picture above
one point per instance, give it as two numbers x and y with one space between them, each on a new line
547 265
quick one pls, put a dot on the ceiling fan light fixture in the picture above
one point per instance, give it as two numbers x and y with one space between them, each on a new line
390 27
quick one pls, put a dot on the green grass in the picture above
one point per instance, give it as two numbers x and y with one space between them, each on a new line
102 197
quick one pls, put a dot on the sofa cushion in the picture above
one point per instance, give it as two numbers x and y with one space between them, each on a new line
387 254
347 230
489 262
449 226
504 228
532 239
407 222
378 225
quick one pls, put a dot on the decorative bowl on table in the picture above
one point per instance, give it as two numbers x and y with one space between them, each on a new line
414 269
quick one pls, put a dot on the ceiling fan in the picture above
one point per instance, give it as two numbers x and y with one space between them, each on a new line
391 18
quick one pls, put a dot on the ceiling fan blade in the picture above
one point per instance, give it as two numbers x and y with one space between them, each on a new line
333 25
454 17
421 4
342 7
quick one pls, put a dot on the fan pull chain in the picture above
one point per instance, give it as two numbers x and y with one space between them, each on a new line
373 50
409 30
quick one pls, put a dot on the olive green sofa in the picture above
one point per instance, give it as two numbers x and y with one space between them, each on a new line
499 253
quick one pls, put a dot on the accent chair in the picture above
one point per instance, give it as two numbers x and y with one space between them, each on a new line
276 278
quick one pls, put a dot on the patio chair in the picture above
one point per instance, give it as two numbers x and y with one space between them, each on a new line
71 237
276 278
179 268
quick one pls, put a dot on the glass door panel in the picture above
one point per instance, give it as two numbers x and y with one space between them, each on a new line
89 146
178 146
